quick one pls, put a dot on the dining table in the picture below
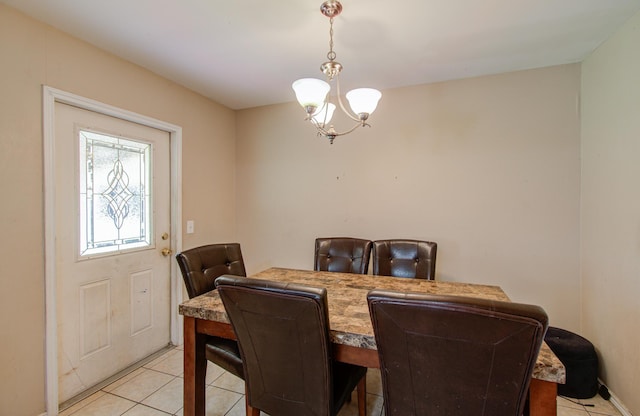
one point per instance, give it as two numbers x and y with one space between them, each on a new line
351 330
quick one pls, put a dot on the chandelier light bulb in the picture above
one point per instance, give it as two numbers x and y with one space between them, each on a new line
311 93
324 114
364 100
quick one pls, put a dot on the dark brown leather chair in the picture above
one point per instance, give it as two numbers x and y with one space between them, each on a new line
452 355
342 254
283 333
200 267
405 258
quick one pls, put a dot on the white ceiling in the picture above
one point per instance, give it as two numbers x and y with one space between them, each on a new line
246 53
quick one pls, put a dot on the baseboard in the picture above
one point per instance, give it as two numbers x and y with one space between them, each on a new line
615 401
619 406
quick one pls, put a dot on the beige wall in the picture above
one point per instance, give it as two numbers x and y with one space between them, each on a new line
610 254
31 55
488 168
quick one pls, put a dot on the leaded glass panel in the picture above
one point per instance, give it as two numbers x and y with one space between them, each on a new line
115 193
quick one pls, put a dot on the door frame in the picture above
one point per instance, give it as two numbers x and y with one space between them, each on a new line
51 96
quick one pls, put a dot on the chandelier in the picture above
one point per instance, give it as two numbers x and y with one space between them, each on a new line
313 94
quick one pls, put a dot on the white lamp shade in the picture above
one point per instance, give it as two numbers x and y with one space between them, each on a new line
326 110
363 100
311 91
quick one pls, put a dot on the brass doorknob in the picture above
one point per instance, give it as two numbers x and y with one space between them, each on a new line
166 252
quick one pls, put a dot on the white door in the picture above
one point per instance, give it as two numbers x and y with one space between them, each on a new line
112 213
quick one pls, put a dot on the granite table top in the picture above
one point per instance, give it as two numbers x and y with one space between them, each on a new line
349 312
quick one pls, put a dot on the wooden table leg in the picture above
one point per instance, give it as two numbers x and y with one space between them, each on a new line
195 369
542 398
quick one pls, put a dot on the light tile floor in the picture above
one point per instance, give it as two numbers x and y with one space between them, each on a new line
155 389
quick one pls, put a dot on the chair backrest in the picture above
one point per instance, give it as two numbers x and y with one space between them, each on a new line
342 254
283 334
201 266
405 258
452 355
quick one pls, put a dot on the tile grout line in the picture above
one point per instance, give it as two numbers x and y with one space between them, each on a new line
109 381
600 410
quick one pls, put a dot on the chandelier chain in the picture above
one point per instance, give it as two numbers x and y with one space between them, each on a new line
331 55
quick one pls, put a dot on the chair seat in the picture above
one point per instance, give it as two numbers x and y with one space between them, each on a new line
226 354
346 378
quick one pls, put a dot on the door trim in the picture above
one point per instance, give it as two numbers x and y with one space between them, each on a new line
51 96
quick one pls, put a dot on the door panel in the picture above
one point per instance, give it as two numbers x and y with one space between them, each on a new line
113 220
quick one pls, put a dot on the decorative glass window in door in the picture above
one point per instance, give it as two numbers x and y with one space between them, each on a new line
115 194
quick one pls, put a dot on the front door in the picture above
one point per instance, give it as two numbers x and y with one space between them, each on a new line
112 213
